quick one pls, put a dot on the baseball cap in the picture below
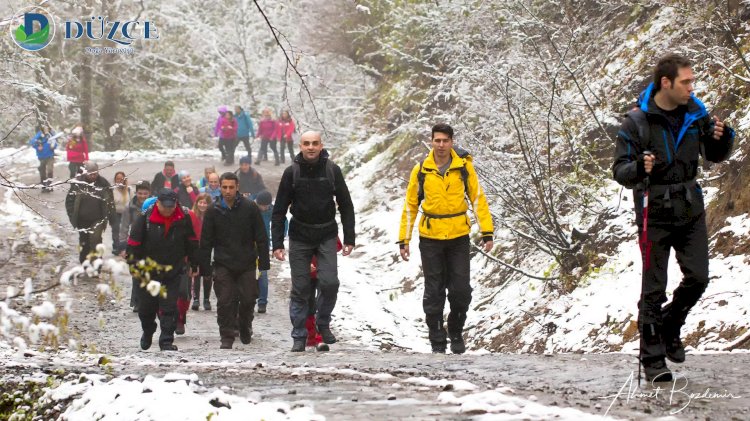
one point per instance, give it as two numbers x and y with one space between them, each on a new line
167 197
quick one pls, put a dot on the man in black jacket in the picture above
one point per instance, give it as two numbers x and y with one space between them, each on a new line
90 206
233 229
657 155
309 186
165 234
167 178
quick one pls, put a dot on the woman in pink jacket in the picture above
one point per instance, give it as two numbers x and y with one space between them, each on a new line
267 133
77 150
227 137
284 131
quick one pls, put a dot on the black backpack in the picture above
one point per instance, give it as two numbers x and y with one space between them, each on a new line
464 176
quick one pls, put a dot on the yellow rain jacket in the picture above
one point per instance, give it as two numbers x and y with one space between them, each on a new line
444 206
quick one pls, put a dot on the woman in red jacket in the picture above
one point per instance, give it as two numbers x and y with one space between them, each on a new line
266 133
227 137
77 150
284 131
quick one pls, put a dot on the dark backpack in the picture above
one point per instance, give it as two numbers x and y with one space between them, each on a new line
330 175
464 176
641 123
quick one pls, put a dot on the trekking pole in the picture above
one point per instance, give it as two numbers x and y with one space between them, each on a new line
645 248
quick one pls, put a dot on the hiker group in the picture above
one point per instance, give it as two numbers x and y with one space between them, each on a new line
221 232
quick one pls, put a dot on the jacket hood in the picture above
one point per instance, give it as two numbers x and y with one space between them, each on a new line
696 108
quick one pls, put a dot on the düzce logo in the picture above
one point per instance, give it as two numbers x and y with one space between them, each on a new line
35 30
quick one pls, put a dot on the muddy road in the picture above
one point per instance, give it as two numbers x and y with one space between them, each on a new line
351 382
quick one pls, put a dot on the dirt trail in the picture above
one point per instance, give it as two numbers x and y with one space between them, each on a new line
267 367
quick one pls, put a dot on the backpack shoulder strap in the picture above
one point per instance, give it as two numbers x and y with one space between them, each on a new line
330 174
641 123
420 184
295 174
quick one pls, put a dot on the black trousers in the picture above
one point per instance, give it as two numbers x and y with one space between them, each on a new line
690 243
207 283
445 264
89 238
166 307
287 144
236 293
245 141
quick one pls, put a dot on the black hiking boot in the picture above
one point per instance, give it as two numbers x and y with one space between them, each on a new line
657 371
226 343
261 308
146 340
326 334
246 335
299 345
438 347
457 345
207 304
321 347
675 349
168 347
196 305
180 329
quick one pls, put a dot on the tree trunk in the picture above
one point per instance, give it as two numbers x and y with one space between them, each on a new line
111 127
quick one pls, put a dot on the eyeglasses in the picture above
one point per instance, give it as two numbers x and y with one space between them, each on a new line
313 143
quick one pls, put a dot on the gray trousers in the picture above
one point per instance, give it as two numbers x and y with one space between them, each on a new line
300 257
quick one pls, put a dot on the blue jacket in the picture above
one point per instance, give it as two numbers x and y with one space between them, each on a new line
213 193
245 125
48 147
674 195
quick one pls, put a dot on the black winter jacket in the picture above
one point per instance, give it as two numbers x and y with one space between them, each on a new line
674 196
235 235
149 238
312 204
160 179
90 204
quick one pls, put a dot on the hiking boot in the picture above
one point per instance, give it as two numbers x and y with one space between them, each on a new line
326 334
299 345
207 304
438 347
246 335
135 309
196 305
657 371
226 343
261 308
457 345
180 329
322 347
168 347
675 349
146 341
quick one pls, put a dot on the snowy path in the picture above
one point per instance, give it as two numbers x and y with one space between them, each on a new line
355 383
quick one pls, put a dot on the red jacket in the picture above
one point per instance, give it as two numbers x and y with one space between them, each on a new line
227 129
197 224
78 150
284 130
267 129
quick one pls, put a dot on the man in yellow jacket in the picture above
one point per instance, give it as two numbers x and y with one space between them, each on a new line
446 185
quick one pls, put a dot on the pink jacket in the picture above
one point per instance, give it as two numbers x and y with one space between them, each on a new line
267 129
78 150
227 129
284 130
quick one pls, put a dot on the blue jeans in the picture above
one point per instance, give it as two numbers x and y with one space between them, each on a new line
263 287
